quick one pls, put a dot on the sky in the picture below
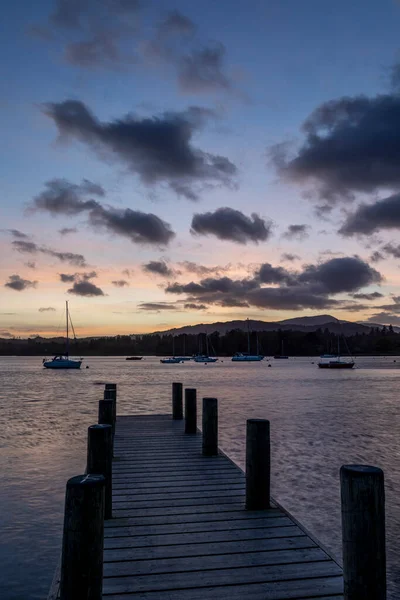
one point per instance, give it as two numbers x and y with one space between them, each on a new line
172 163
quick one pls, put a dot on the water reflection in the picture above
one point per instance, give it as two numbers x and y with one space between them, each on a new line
319 420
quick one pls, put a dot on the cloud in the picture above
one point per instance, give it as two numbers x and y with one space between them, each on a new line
392 250
287 256
192 267
77 260
351 145
46 309
15 282
192 306
84 276
128 272
369 218
376 256
30 264
158 267
371 296
279 289
16 233
384 318
120 283
229 224
67 230
157 149
203 70
85 288
64 198
158 306
298 232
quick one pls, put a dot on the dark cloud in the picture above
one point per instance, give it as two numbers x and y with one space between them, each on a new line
298 232
371 296
62 197
384 318
128 272
15 282
139 227
16 233
352 145
85 288
30 264
192 306
47 309
157 149
84 276
313 287
354 307
369 218
203 70
192 267
67 230
78 260
157 306
100 50
376 256
158 267
287 256
392 250
229 224
175 23
120 283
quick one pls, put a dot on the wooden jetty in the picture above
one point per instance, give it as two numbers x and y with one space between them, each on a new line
188 524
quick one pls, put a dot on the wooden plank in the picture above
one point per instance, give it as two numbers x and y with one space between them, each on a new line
213 517
136 512
293 539
212 491
219 577
326 588
181 502
211 537
139 530
217 561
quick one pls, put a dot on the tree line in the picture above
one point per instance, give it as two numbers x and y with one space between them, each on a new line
294 343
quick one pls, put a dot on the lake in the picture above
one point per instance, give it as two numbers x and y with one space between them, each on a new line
320 419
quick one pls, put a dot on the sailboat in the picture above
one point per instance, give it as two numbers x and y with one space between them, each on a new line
204 358
171 360
281 355
336 362
62 361
183 358
242 357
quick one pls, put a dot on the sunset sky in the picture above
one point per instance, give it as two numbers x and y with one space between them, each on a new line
170 163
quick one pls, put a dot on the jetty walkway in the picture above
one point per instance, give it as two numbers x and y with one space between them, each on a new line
186 522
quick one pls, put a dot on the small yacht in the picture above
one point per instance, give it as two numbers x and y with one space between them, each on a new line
330 361
246 356
62 361
172 360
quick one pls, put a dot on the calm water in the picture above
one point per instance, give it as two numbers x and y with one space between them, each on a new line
319 420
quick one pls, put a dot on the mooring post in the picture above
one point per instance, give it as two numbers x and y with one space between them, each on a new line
83 538
110 393
99 460
258 464
177 403
363 532
190 410
210 427
106 415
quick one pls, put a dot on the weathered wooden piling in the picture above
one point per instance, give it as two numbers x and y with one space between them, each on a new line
363 532
177 401
111 394
83 536
210 426
258 464
190 410
99 460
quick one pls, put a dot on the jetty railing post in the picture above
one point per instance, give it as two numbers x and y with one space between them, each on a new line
363 532
106 415
99 460
258 464
190 410
83 539
111 394
177 401
210 427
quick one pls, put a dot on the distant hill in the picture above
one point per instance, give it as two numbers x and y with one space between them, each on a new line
298 323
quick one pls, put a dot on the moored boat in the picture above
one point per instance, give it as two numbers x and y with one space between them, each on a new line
172 360
63 361
335 361
246 356
134 358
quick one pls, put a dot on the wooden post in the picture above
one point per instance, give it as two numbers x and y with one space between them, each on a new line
110 394
177 403
83 538
190 410
99 460
258 464
363 532
106 415
210 427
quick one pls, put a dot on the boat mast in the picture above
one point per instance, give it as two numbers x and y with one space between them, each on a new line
206 345
66 311
248 337
338 346
184 345
173 346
